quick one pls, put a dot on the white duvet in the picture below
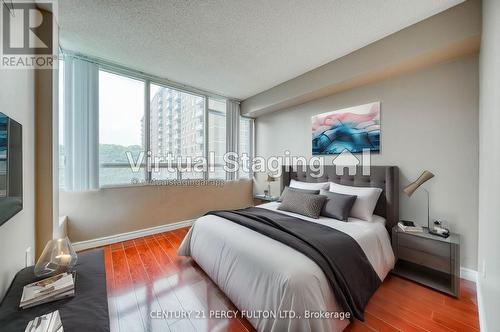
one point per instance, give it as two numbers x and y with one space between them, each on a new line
269 281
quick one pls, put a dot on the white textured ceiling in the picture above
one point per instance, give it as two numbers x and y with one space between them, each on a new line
236 48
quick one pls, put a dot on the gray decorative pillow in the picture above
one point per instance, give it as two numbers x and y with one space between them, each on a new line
303 191
337 206
308 205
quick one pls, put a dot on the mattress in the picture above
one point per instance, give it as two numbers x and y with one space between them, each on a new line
273 284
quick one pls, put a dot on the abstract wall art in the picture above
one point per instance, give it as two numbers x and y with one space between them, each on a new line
353 129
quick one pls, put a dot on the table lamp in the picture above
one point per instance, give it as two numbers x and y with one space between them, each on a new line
412 187
269 180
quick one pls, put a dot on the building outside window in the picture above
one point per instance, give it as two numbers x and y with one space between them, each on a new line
177 128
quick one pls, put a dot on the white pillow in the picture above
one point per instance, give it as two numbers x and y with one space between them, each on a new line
366 200
309 185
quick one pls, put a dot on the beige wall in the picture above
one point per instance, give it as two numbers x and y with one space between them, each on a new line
429 121
16 235
105 212
489 161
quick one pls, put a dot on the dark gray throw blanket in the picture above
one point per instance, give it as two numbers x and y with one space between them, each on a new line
351 276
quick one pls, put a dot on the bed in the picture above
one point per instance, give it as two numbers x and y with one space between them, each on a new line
271 283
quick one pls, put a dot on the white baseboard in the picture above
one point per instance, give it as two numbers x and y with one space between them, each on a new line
468 274
480 307
102 241
472 275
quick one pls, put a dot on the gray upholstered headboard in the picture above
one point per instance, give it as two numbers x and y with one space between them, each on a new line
384 177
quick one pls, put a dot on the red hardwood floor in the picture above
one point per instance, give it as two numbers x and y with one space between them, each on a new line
145 275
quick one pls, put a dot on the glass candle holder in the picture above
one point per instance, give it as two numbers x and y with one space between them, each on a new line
58 256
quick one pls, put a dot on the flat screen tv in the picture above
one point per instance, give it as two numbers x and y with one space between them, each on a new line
11 168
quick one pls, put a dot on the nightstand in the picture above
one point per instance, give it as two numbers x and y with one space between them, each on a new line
261 199
428 259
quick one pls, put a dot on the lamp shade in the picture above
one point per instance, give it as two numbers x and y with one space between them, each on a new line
424 177
270 178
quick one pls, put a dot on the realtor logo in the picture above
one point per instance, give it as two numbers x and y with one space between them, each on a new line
29 35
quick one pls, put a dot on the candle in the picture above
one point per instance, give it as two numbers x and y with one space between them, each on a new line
63 259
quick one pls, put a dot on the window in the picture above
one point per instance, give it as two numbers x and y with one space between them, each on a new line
217 137
174 125
245 146
121 128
